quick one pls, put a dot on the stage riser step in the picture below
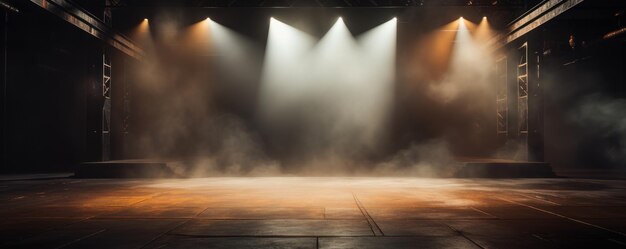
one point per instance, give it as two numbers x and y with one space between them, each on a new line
121 169
505 170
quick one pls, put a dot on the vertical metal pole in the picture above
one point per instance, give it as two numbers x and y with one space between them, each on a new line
522 99
106 93
535 103
4 91
502 109
126 111
106 107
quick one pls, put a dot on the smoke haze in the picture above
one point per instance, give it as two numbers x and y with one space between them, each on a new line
223 104
604 118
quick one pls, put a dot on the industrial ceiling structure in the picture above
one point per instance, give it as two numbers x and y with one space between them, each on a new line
321 3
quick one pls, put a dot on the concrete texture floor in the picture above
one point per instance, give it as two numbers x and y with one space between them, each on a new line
304 212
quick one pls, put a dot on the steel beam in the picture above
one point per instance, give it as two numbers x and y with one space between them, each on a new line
88 23
532 20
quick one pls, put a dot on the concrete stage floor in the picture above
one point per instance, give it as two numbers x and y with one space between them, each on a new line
296 212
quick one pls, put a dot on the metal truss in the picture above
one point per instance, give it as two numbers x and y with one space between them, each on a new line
106 94
531 20
106 106
502 107
522 89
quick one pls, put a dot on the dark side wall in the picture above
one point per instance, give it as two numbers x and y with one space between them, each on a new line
585 89
576 90
52 92
585 101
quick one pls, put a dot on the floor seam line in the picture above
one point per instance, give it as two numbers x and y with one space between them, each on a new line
460 233
164 233
565 217
81 238
539 199
483 212
370 221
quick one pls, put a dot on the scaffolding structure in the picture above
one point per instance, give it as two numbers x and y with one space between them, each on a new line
106 94
106 107
522 89
502 107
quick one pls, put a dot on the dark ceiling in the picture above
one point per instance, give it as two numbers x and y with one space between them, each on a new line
127 12
320 3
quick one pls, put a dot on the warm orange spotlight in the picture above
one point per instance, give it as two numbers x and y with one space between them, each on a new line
483 31
197 37
141 33
466 24
433 51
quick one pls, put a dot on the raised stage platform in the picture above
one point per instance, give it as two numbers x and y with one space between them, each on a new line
502 168
133 168
464 168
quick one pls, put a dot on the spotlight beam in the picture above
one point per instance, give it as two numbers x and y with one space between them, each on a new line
350 80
